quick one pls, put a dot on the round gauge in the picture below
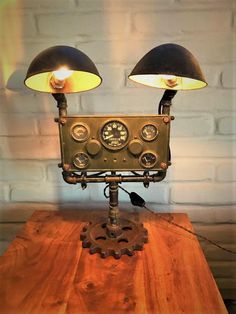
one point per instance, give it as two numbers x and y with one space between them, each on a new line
114 135
148 160
80 132
149 132
81 160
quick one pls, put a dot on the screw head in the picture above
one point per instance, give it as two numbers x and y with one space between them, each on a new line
163 165
166 119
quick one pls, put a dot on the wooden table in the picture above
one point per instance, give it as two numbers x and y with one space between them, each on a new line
46 271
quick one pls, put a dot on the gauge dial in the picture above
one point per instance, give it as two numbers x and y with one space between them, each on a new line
149 132
114 135
80 132
81 160
148 160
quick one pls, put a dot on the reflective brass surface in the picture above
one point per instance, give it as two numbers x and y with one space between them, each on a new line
112 150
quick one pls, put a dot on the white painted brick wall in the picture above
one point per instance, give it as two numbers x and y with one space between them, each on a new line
226 171
190 169
204 193
190 21
17 170
115 35
17 124
94 25
227 125
187 125
228 77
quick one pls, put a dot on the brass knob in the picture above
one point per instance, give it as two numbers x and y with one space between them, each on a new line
135 147
93 147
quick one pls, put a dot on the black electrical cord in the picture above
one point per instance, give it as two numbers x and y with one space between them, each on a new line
105 190
137 200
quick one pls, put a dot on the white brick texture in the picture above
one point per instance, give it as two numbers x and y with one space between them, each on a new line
192 125
17 124
88 24
226 171
204 193
191 170
169 22
229 76
21 170
29 147
227 125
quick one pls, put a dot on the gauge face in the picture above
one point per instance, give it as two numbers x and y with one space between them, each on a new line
149 132
80 132
114 135
148 160
81 160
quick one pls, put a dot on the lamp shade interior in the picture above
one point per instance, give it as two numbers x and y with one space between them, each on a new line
169 66
62 69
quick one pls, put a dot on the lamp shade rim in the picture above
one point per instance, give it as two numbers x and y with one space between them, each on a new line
147 82
61 91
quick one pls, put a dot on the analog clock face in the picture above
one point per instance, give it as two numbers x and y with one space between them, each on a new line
114 135
80 132
149 132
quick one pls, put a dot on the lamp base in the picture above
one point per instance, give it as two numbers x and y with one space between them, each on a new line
96 237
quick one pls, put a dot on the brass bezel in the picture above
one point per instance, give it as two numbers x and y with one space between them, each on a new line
142 137
105 144
87 128
77 165
148 152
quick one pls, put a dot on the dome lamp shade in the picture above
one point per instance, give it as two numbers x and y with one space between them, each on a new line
62 69
169 66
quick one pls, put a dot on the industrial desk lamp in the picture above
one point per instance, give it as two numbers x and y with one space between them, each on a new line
104 149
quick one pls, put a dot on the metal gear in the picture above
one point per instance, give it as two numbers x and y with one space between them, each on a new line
132 238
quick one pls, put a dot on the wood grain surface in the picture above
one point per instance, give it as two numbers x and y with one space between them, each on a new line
46 271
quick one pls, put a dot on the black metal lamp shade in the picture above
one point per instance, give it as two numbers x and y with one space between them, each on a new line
62 69
169 66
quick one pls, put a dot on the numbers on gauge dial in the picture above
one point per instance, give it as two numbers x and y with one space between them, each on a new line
149 132
114 135
80 132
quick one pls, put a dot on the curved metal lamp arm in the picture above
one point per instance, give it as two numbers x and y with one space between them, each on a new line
165 102
62 106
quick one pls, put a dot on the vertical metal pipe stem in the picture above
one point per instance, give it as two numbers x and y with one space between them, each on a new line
113 204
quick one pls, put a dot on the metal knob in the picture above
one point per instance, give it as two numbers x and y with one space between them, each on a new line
93 147
135 147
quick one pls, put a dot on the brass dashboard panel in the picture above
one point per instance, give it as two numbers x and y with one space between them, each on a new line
115 143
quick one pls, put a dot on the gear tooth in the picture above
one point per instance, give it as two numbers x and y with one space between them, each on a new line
129 251
94 249
138 247
103 254
111 252
117 254
86 243
82 236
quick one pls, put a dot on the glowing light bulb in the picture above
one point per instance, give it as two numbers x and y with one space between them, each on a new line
59 77
170 80
62 73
